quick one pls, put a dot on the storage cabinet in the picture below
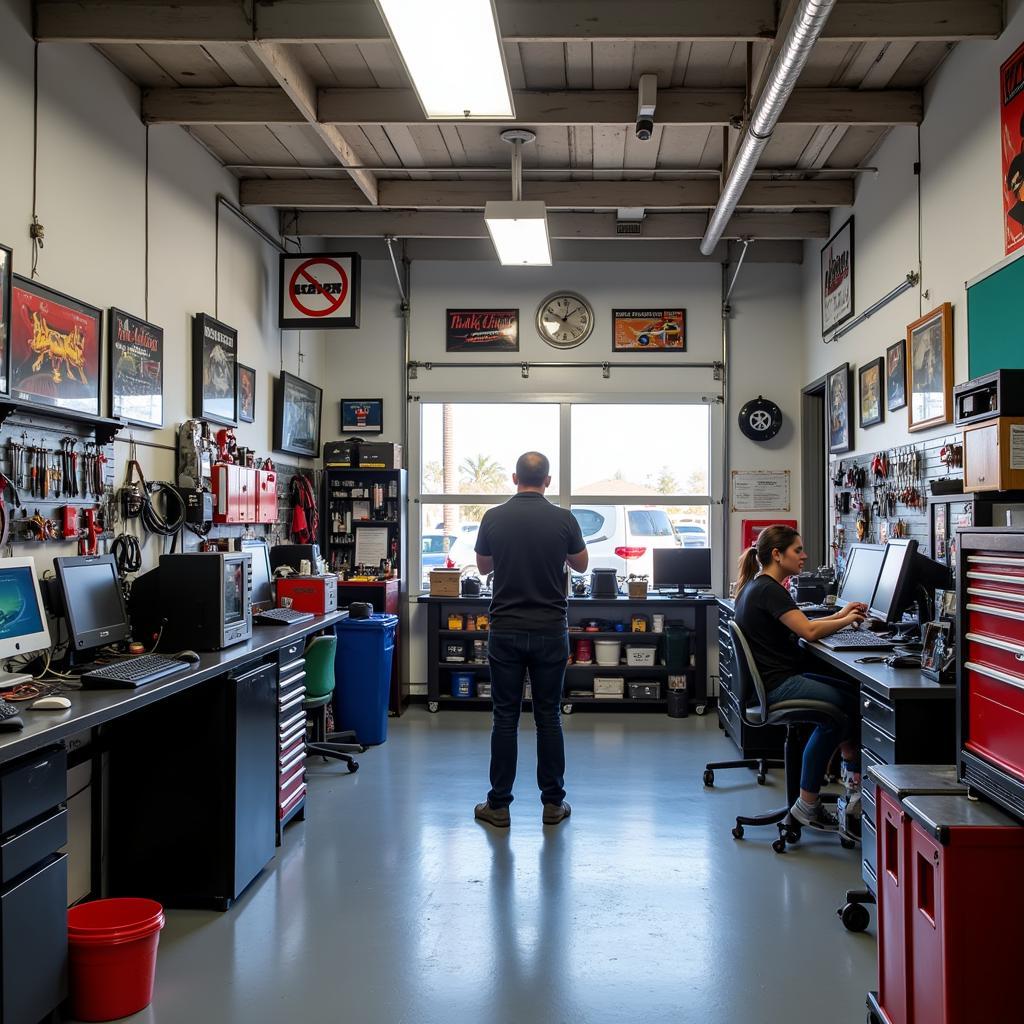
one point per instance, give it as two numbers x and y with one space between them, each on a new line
363 499
994 455
291 736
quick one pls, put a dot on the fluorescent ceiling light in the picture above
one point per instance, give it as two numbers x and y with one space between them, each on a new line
453 53
519 230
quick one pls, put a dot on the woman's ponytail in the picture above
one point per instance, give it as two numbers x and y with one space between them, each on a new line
748 568
759 556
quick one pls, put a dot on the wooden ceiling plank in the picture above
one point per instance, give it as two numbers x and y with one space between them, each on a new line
133 61
579 66
543 65
613 66
223 148
915 19
260 144
296 81
348 65
551 148
152 21
238 63
378 138
711 66
219 106
609 149
889 62
683 51
453 143
514 63
385 65
430 143
408 152
923 62
307 148
189 65
654 59
856 146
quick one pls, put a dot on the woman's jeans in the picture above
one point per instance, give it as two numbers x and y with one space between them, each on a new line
825 738
510 654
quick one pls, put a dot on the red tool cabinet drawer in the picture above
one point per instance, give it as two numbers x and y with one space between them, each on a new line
996 652
289 805
997 565
291 751
296 777
995 716
1005 621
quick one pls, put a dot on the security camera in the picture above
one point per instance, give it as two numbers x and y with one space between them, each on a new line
647 99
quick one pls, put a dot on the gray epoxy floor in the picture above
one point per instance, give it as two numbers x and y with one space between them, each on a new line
391 904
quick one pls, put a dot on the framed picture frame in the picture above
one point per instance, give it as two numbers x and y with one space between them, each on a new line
56 352
930 369
936 648
319 291
214 371
246 394
869 379
135 349
297 408
481 330
362 415
840 412
939 531
837 279
6 274
896 375
649 330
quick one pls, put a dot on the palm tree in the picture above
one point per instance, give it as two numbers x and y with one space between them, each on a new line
481 475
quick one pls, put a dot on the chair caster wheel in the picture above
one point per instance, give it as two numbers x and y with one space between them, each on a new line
737 832
433 706
855 917
761 779
791 834
779 845
700 709
353 767
566 709
846 844
709 777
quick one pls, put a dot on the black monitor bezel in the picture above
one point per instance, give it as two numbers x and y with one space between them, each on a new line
849 558
909 546
83 641
680 587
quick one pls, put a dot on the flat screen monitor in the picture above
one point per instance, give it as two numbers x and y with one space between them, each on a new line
894 591
23 628
862 568
292 554
682 568
93 600
262 588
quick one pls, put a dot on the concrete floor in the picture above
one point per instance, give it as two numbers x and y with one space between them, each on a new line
391 904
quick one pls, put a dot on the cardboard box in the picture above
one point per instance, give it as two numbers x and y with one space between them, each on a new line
445 582
340 454
316 594
609 686
380 455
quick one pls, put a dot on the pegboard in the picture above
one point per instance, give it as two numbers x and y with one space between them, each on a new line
915 519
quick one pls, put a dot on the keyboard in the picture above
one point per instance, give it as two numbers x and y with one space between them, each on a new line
10 716
132 672
282 617
856 640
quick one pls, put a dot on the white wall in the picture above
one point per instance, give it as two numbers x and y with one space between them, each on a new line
91 199
960 222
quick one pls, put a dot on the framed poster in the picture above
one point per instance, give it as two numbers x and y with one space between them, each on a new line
756 489
837 279
214 371
872 410
930 362
751 529
362 415
1011 135
246 394
319 291
840 419
481 330
136 352
55 351
896 375
648 330
297 406
6 272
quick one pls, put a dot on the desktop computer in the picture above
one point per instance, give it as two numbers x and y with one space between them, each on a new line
91 601
23 628
906 577
682 569
263 610
862 567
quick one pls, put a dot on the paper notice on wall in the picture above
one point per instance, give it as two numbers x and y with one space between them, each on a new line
760 489
371 545
1017 446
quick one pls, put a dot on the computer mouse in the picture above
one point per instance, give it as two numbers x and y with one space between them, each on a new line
190 656
51 704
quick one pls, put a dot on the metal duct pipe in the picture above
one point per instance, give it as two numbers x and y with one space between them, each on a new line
808 21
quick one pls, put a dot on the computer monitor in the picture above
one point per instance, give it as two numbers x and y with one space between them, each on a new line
862 567
262 587
906 576
93 601
23 628
682 568
293 554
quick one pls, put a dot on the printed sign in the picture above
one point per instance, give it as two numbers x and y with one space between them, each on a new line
760 489
136 369
648 330
837 279
1011 116
482 330
320 291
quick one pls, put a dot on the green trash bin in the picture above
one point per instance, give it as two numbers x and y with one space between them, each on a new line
677 649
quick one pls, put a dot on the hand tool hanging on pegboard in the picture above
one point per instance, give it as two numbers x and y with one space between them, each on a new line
133 490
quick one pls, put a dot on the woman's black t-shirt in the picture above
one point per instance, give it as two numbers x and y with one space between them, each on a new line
762 602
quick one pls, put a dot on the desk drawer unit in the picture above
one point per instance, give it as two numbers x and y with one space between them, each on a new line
990 665
291 736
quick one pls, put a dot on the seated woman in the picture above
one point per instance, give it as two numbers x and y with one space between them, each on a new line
772 624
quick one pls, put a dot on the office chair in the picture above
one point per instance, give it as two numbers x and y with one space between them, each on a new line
319 690
798 716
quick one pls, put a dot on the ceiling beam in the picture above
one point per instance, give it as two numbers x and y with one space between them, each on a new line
567 195
293 78
578 107
326 21
429 224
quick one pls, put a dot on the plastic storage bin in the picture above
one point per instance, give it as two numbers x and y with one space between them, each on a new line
362 675
640 655
608 652
463 684
677 649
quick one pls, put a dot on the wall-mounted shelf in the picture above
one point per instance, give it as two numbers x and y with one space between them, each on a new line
105 428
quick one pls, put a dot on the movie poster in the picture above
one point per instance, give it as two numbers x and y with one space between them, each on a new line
214 373
55 348
837 279
648 330
136 370
482 330
1011 110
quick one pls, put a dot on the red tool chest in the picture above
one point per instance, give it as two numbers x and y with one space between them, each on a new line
243 495
291 735
990 664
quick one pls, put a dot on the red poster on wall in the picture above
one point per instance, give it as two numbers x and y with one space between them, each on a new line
751 528
1011 143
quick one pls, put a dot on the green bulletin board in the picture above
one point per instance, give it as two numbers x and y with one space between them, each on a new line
995 319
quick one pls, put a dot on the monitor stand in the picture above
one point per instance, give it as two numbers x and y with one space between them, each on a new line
8 680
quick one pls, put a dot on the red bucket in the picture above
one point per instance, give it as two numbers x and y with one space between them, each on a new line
112 953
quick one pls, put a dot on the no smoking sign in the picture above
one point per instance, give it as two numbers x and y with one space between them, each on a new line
319 291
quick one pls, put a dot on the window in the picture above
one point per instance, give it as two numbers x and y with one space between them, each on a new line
590 520
650 523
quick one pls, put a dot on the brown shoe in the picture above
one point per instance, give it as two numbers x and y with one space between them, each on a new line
499 817
555 813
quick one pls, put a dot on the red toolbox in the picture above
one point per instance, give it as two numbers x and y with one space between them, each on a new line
317 594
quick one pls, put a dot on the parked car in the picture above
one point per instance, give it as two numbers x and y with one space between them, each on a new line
434 553
462 551
623 538
692 535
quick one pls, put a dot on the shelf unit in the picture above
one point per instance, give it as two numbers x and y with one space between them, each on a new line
344 491
689 612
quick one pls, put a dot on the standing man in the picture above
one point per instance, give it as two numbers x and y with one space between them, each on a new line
526 543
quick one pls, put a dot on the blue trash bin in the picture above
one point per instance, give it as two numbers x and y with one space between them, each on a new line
362 676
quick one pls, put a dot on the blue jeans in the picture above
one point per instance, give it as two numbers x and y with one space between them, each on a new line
825 738
510 654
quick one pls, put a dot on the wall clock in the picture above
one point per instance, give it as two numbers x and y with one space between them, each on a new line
565 320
